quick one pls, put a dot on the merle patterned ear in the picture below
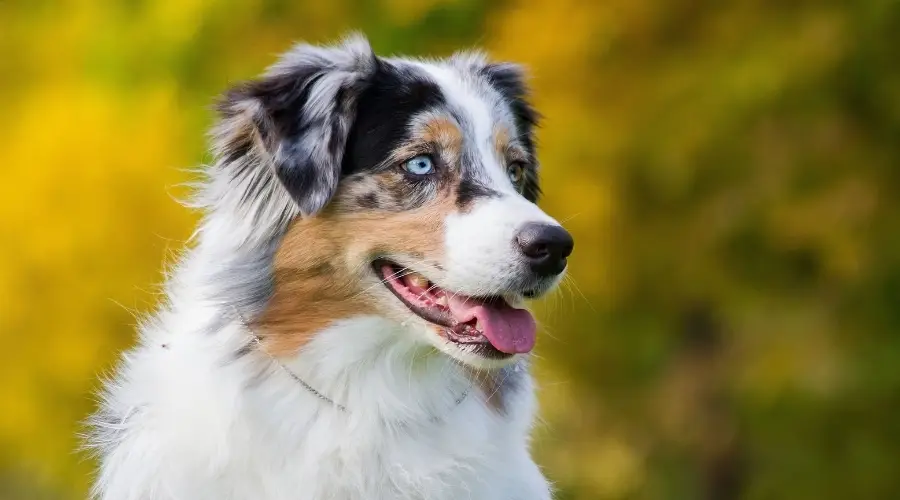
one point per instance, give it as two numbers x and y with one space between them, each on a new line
296 118
509 79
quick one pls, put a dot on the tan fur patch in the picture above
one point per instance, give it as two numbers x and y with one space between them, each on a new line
322 268
501 140
312 288
445 133
507 148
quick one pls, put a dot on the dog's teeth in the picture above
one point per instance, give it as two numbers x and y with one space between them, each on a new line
418 280
442 301
477 325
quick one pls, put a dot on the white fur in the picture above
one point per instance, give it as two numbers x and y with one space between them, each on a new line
482 257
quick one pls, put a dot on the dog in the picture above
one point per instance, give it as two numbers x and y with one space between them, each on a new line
348 320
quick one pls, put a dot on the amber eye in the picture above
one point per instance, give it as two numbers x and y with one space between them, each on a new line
516 173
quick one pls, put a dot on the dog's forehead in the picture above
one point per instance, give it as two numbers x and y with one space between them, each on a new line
408 98
467 96
469 102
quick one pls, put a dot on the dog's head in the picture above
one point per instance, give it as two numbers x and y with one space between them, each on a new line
413 187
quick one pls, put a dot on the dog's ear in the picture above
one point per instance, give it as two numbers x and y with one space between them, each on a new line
296 118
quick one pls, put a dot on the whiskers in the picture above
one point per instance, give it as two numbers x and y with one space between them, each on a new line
402 272
569 280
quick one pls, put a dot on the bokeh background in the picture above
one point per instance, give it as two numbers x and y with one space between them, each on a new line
730 170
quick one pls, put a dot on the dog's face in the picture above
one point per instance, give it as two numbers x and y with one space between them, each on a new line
417 184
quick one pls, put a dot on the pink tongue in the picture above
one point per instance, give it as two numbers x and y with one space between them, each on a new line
509 330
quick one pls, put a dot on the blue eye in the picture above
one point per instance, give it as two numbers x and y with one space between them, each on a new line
420 165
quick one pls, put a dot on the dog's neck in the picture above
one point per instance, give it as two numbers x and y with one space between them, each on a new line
370 366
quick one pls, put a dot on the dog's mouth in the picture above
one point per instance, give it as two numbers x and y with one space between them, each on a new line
486 325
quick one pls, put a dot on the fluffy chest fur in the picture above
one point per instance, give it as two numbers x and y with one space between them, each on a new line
197 416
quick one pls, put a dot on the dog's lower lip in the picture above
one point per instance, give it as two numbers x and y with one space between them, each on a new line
429 315
463 334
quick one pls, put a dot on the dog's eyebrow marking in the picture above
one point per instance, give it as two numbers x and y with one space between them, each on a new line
501 139
468 190
444 132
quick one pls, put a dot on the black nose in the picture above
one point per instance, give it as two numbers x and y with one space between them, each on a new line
546 247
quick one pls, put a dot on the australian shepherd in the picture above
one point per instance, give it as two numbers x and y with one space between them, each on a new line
348 322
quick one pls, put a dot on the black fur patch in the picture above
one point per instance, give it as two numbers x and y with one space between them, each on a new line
383 114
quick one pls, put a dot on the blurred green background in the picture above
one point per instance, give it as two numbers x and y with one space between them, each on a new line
730 170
